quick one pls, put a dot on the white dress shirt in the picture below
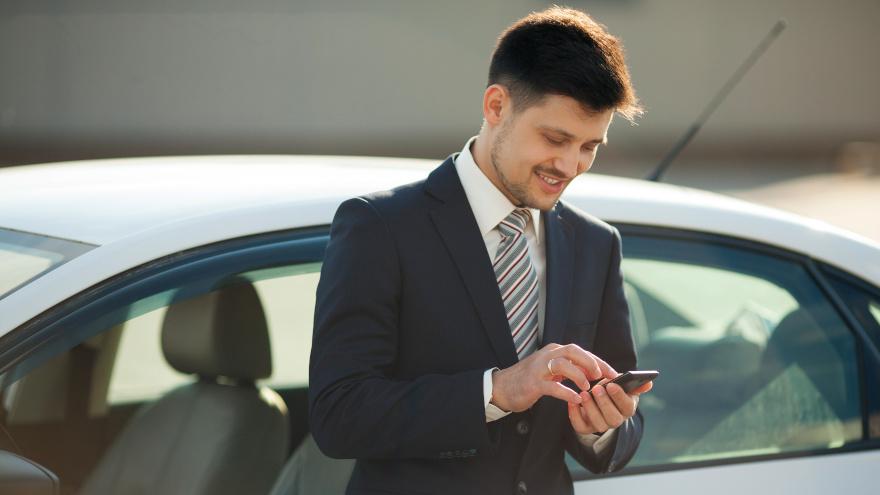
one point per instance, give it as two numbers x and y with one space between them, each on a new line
490 206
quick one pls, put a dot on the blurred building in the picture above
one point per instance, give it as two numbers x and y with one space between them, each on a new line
96 78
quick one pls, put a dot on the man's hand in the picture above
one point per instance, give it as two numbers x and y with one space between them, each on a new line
604 407
517 388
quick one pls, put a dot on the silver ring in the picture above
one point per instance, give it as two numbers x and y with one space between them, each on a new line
550 367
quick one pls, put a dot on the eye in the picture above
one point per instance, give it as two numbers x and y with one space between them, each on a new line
591 148
554 142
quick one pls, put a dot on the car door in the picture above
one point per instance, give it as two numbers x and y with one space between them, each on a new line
768 379
75 375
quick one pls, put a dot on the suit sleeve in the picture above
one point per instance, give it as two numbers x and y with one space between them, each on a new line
357 407
614 344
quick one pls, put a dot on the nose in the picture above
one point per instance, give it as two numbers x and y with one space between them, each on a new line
571 163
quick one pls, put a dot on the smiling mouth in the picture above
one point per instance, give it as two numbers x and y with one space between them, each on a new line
549 180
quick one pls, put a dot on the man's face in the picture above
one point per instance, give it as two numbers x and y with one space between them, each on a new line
537 152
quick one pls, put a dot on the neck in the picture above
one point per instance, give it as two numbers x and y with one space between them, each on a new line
482 153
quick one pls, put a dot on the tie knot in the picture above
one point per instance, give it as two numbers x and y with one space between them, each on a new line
515 222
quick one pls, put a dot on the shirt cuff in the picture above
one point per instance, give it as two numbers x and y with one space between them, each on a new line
493 412
597 442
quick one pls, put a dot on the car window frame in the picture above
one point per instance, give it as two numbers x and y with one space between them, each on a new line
42 336
825 270
863 347
871 382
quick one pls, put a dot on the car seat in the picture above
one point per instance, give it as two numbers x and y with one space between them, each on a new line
221 434
309 471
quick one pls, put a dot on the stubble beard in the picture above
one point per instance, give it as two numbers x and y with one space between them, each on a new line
519 192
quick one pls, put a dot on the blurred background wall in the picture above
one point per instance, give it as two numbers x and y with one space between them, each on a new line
101 78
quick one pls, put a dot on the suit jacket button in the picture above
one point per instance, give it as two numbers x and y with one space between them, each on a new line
522 427
521 488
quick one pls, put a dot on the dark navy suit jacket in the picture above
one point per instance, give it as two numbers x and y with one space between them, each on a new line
409 317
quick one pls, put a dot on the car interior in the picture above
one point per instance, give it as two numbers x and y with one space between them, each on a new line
220 433
719 390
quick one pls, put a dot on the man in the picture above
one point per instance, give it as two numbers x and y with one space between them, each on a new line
450 311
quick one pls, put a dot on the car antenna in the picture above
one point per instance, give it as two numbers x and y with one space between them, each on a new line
774 33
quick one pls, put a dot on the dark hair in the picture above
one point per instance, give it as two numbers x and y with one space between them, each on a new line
565 52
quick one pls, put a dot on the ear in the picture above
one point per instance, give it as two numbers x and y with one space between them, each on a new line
496 104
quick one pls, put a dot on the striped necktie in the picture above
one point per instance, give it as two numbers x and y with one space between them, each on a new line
518 282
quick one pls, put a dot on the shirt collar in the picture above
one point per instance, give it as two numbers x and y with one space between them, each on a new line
489 204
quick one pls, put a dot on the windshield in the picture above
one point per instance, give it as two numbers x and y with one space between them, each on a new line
25 256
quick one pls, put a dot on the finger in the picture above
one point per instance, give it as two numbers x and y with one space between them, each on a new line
607 370
550 347
591 411
625 403
561 392
610 413
600 382
582 359
593 366
642 389
554 374
578 423
564 367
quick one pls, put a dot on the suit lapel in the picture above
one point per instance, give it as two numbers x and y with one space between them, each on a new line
458 228
560 261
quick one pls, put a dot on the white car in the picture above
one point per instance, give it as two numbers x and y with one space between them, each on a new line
765 327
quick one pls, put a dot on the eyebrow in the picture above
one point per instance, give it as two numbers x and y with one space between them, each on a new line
569 135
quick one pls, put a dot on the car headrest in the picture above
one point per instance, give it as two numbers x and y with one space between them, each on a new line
802 340
221 333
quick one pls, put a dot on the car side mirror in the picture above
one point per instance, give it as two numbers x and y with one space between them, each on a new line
20 476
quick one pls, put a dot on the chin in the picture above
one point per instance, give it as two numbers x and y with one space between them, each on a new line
543 204
548 207
535 199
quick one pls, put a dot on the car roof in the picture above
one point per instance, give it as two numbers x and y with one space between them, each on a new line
141 209
101 201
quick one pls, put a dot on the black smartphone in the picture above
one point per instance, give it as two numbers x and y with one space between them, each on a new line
632 380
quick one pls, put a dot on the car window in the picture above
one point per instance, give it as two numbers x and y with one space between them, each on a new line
753 359
25 256
96 361
287 295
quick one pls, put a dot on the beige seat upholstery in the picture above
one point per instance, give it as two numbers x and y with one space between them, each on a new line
218 435
309 471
